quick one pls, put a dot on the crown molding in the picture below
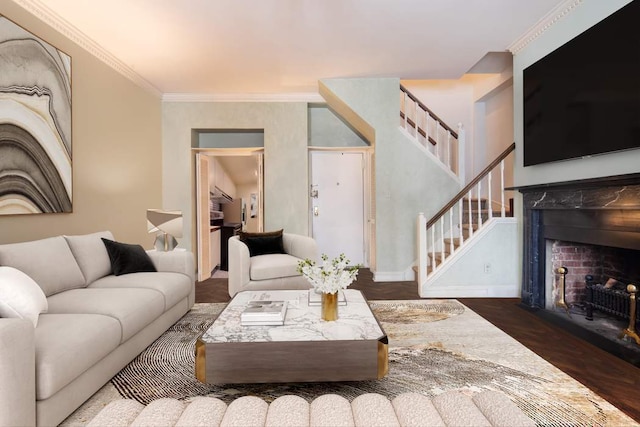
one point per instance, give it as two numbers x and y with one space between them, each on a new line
49 17
556 14
244 97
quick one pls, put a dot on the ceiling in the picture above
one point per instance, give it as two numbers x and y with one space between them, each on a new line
243 170
286 46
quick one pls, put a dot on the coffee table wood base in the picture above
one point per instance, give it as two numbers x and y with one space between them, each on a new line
283 362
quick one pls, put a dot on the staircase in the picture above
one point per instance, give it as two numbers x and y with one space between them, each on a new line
434 135
463 219
478 213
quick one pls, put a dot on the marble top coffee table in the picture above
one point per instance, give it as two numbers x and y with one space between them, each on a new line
305 349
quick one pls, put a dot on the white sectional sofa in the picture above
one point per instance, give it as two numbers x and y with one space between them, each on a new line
95 322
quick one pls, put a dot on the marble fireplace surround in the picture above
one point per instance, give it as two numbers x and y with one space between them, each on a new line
599 211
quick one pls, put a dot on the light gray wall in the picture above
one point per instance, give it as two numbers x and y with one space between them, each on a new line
487 268
231 139
407 181
585 15
326 129
285 157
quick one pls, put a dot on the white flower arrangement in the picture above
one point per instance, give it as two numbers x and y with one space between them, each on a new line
330 276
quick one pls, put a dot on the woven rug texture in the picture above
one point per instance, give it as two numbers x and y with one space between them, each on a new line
434 346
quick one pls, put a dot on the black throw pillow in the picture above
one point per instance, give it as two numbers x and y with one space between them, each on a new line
263 243
126 258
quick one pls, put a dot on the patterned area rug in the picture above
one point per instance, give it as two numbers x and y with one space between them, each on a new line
434 346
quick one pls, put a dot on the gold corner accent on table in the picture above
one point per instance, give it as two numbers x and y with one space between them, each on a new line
201 361
383 357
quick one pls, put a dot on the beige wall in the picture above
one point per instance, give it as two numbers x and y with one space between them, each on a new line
116 150
285 157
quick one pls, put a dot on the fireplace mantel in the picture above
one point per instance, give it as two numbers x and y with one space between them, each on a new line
567 210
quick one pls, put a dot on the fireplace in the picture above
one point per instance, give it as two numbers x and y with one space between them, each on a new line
589 227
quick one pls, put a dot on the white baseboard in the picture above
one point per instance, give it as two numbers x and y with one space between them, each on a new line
394 276
505 291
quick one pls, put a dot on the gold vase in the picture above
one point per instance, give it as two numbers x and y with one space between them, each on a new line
330 306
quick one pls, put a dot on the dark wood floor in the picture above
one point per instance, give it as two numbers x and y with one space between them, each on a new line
613 379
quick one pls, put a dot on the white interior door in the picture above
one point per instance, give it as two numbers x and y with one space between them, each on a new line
337 204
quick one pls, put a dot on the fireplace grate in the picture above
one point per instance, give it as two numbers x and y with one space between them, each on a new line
608 300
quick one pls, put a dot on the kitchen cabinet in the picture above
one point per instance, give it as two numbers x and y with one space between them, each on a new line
214 246
218 178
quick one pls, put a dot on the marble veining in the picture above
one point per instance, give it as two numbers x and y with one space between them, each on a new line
302 322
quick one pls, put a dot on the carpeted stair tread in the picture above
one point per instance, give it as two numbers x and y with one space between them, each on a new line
451 408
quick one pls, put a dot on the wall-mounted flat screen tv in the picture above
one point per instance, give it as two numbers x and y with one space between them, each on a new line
583 98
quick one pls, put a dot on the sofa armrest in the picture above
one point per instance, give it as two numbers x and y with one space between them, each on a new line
17 373
300 246
239 265
177 261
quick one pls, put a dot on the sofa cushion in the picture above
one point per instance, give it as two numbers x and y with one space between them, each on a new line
174 287
133 308
126 258
48 261
20 296
264 267
91 255
69 344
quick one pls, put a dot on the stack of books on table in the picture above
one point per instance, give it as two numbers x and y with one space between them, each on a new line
264 313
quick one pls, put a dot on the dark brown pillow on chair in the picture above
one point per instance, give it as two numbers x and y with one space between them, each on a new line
269 242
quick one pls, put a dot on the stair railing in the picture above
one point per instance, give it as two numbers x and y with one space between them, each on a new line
456 222
432 133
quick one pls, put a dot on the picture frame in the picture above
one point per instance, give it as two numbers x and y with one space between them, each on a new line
35 124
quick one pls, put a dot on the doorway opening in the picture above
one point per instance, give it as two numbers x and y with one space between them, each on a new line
229 176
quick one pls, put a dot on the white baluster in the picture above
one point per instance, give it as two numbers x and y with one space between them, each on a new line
461 159
426 128
436 139
433 248
415 119
479 204
460 208
406 114
449 151
470 213
422 249
489 205
441 221
502 213
451 231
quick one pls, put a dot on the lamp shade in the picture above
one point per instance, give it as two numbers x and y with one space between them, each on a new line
169 222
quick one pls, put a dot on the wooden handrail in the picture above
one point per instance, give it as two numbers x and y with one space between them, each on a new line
471 184
420 130
425 108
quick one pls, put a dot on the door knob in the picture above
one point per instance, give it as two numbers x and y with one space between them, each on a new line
315 211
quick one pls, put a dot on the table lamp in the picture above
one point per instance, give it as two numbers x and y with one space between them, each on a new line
167 225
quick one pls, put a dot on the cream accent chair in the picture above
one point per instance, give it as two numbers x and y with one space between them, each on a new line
272 271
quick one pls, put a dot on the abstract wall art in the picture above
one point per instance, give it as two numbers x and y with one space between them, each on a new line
35 124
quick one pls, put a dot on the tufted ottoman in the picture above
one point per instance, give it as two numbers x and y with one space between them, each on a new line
453 408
